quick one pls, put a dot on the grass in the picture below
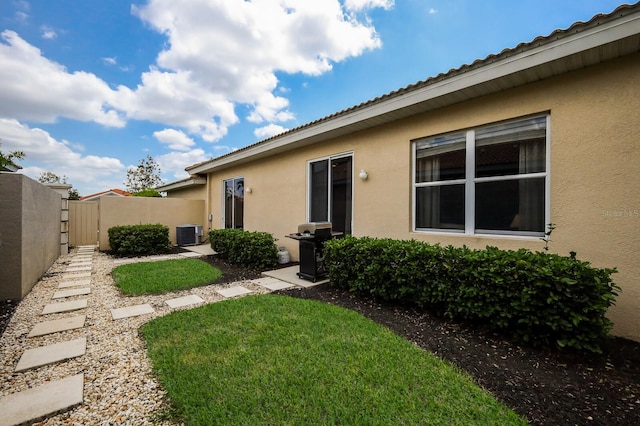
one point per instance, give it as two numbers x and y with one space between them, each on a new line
164 276
271 359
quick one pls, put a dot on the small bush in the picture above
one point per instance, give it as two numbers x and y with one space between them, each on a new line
255 250
538 299
139 240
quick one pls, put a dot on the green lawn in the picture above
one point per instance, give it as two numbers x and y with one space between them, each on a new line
164 276
271 359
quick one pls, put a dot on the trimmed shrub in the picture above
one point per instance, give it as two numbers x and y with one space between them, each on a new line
535 298
255 250
139 240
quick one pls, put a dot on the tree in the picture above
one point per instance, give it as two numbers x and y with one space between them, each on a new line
7 159
147 193
145 176
73 194
50 177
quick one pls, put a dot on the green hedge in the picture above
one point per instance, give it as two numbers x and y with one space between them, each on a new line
139 240
538 299
255 250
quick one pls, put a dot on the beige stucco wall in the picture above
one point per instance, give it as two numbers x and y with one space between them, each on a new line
197 192
171 212
29 233
594 175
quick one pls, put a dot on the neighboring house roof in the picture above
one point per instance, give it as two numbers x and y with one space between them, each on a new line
108 193
603 38
184 183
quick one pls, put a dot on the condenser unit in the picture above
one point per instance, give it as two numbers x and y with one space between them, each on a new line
188 235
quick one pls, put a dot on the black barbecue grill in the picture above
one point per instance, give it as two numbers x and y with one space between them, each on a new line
311 238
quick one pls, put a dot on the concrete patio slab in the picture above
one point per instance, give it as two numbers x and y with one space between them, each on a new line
72 292
74 276
191 299
203 249
234 291
289 275
55 326
45 355
131 311
74 283
73 305
40 401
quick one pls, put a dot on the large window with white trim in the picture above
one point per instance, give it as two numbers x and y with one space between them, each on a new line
487 180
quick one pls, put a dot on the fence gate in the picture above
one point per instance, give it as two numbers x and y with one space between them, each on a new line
83 223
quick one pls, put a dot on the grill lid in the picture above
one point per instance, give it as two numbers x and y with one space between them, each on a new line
313 227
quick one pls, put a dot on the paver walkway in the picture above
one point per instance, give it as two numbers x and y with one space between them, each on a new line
57 395
71 300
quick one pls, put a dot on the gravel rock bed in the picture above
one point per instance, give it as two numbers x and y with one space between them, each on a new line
119 387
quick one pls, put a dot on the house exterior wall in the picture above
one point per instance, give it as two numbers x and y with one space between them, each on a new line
29 233
116 211
594 178
197 192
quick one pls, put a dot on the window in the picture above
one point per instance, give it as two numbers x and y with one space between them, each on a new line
489 180
330 192
234 203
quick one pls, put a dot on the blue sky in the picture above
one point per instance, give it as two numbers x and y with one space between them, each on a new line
89 88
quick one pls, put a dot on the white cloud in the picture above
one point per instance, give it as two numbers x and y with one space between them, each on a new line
175 139
36 89
174 163
223 53
45 153
432 11
268 131
109 61
368 4
48 33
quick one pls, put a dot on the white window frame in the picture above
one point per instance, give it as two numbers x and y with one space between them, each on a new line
308 177
470 180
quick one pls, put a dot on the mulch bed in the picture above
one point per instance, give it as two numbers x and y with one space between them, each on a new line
546 387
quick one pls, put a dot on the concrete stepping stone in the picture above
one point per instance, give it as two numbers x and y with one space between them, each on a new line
131 311
50 354
55 326
190 254
40 401
78 268
272 284
72 292
76 283
76 263
191 299
234 291
74 276
55 308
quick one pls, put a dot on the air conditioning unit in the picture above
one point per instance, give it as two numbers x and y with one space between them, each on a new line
188 235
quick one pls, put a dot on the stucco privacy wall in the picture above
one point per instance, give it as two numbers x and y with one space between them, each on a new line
29 233
594 179
170 212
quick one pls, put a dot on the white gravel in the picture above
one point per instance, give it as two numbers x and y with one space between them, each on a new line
119 387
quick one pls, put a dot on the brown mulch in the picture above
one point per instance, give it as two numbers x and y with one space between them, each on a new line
544 386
